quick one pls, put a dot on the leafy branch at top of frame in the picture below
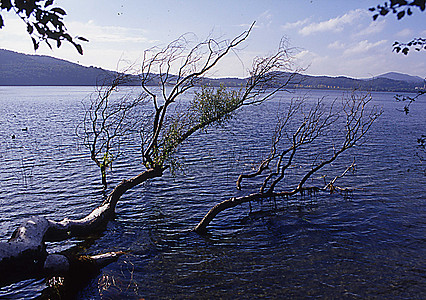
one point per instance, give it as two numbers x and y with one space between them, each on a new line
417 43
44 22
400 8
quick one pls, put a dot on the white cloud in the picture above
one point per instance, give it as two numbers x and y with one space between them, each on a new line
305 59
336 45
305 54
373 28
14 36
108 45
294 25
110 34
363 47
335 24
405 33
265 19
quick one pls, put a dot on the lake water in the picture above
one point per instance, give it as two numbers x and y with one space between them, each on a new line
371 245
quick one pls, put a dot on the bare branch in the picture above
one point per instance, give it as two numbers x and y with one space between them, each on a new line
110 118
354 116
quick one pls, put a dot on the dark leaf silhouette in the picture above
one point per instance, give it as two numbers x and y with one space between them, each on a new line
82 39
417 44
79 48
398 7
59 11
48 24
6 4
48 3
30 28
35 43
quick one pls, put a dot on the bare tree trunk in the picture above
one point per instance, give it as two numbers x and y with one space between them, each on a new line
103 176
25 256
201 227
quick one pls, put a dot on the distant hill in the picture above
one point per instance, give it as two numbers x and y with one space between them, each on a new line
38 70
373 84
402 77
22 69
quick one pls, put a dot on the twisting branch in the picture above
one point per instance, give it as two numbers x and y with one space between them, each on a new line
264 165
109 120
348 124
331 185
408 100
213 106
25 255
270 74
421 141
196 62
166 75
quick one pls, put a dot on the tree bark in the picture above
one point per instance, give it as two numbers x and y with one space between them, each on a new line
201 227
103 177
25 256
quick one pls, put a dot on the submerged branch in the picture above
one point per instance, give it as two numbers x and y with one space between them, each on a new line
358 119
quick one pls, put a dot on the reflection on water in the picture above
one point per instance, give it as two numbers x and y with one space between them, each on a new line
372 245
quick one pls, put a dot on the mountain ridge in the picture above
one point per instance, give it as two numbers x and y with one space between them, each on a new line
401 77
18 69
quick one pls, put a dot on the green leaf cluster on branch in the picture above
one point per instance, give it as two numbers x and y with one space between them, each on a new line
214 105
176 69
179 67
44 22
208 107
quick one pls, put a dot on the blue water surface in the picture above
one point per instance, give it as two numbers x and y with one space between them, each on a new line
370 245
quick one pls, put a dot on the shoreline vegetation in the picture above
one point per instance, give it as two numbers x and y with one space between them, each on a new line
17 69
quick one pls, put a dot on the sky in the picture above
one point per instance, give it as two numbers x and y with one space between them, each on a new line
335 38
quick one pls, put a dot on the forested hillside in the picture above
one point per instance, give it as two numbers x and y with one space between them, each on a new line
23 69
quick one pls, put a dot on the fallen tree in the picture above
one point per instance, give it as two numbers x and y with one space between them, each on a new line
25 256
163 132
347 125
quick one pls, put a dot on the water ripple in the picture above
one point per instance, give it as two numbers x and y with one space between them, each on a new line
370 246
